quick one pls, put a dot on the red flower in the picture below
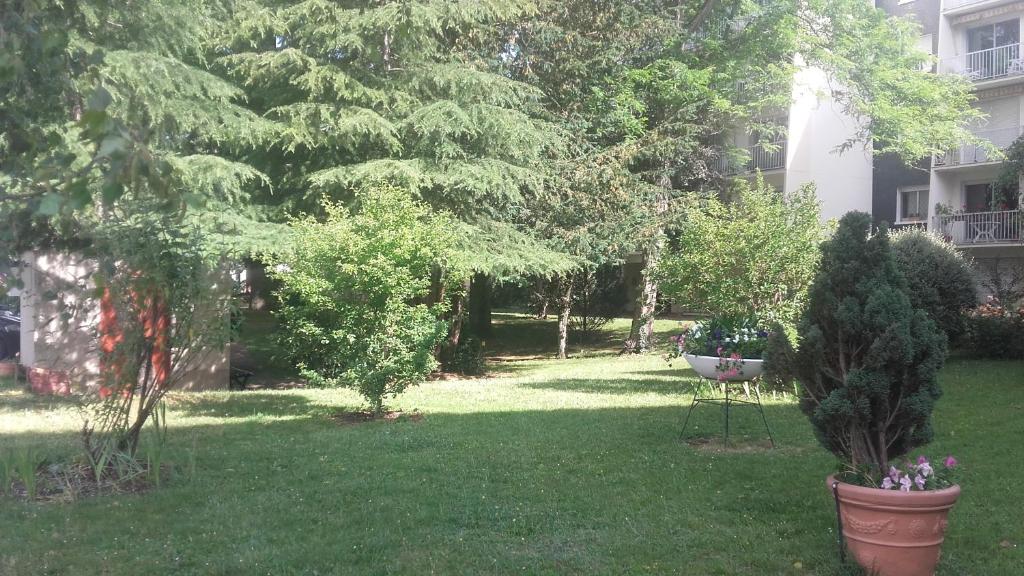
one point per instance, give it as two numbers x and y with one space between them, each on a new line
105 392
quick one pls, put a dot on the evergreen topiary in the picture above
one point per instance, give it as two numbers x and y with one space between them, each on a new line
868 360
938 276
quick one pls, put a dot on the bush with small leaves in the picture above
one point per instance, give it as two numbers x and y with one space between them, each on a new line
354 290
938 275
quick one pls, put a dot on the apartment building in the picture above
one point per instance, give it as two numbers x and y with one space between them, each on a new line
815 128
956 194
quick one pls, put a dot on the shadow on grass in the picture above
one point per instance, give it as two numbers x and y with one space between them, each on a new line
17 399
246 405
614 386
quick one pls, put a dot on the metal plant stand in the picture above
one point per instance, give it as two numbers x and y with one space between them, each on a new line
726 403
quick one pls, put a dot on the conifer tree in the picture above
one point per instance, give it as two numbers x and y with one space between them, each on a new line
127 150
868 360
413 93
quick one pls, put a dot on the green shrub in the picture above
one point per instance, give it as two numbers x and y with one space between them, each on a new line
994 332
754 256
867 361
352 294
468 358
939 277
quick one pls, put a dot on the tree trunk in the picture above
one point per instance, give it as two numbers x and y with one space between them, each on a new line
437 292
564 308
457 315
541 291
480 306
642 328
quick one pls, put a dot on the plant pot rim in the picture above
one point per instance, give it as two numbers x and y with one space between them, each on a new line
685 354
896 497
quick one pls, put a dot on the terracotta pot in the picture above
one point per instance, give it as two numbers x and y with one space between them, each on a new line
894 533
8 369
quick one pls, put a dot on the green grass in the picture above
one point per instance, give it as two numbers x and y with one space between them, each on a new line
546 467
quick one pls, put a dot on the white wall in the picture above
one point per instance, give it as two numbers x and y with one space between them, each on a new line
59 315
817 127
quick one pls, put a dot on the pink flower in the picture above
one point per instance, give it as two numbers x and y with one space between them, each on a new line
894 474
925 470
719 351
905 484
922 460
887 483
950 462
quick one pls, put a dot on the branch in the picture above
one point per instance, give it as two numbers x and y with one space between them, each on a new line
702 14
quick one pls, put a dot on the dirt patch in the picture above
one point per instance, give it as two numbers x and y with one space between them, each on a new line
364 416
716 444
69 482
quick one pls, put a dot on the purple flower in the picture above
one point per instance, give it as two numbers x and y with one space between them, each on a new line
950 462
905 484
887 483
925 470
894 474
919 480
922 460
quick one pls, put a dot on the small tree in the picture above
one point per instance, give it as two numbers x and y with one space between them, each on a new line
939 277
598 296
352 293
868 360
752 256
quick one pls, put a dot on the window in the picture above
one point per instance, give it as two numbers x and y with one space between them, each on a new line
984 198
912 204
993 35
993 49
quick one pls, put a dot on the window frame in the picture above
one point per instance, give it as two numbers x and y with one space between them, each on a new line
918 188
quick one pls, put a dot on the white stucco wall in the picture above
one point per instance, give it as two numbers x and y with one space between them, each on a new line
59 315
817 128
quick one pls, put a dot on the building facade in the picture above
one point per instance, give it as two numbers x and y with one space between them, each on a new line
960 194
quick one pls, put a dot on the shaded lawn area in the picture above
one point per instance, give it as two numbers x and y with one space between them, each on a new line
568 467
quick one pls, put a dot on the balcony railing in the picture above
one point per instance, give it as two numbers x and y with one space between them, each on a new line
981 228
969 154
954 4
763 157
987 64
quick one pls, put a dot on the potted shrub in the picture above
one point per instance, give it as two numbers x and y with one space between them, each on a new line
868 363
723 349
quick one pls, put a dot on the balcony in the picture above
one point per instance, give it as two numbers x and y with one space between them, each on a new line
990 64
981 228
960 6
760 157
972 154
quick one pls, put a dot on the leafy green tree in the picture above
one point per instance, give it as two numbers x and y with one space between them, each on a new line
868 360
661 83
352 294
754 255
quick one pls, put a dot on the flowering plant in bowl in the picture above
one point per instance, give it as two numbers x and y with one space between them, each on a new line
722 348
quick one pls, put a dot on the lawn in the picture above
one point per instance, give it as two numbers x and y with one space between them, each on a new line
544 467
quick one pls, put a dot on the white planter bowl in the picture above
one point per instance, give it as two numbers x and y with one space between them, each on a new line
707 366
